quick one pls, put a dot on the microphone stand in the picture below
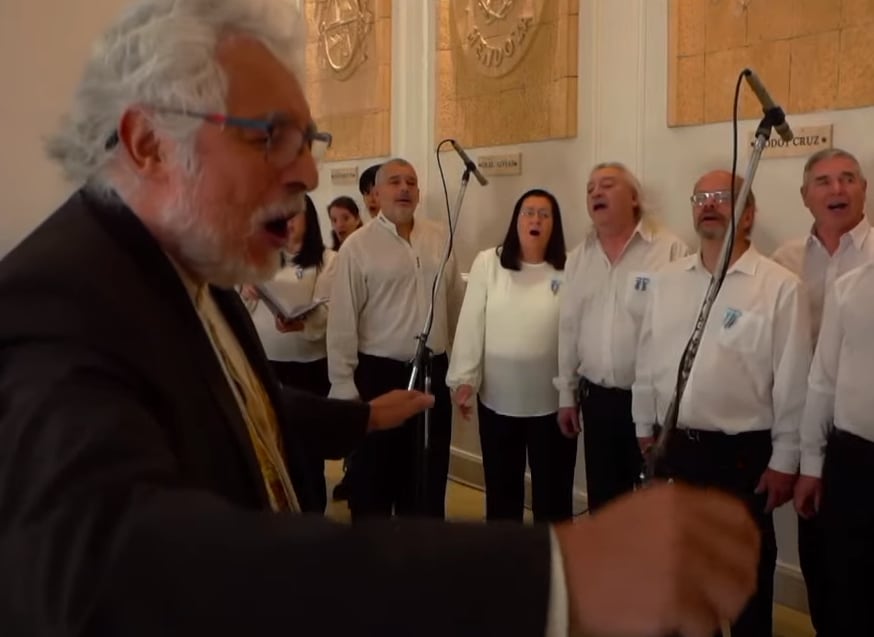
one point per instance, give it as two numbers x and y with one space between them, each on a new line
420 376
763 133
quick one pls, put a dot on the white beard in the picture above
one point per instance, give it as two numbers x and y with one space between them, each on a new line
200 247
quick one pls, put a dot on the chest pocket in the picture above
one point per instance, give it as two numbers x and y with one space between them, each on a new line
742 330
637 290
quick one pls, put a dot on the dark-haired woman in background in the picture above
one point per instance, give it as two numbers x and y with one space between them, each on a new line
505 353
345 219
297 349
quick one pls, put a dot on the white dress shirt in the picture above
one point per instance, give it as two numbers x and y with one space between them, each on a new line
752 362
819 270
381 295
506 343
602 306
309 344
839 389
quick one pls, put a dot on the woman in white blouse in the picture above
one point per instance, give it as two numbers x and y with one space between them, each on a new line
505 354
297 349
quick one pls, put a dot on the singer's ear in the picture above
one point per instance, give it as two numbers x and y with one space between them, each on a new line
144 148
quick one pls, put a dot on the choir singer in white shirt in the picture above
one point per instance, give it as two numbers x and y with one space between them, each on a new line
381 294
504 359
840 239
606 284
837 451
738 425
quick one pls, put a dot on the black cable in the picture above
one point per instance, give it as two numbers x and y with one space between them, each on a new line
448 215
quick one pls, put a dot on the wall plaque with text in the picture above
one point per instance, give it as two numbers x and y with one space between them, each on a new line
500 165
346 176
807 140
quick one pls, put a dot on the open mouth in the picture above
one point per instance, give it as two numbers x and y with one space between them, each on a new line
534 232
277 227
838 205
599 205
704 218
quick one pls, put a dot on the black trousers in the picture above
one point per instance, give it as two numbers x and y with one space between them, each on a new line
310 377
613 459
811 555
505 441
387 468
848 522
733 463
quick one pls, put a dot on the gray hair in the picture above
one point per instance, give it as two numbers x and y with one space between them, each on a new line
162 53
828 153
383 169
630 179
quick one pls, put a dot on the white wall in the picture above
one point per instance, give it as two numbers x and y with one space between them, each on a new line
43 46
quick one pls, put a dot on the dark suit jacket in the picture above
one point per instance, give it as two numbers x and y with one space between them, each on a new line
130 499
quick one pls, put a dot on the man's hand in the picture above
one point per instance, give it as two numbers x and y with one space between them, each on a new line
779 487
294 325
396 407
569 421
808 496
462 398
669 559
249 293
646 443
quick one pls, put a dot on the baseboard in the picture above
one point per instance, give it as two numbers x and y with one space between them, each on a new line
467 468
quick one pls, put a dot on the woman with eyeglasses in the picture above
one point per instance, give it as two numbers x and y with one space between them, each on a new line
297 348
504 359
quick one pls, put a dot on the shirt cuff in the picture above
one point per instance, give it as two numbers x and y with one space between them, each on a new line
644 431
811 465
344 391
784 460
557 620
567 398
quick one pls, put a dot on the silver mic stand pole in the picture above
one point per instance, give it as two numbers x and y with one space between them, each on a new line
422 358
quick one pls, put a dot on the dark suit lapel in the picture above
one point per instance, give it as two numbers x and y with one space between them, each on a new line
238 319
180 324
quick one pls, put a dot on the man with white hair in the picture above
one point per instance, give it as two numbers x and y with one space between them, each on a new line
833 189
606 284
151 476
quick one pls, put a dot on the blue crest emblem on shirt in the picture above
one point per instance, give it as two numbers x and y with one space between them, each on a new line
641 283
731 317
554 285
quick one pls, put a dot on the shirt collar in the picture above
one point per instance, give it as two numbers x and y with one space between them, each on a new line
858 234
645 229
389 225
747 263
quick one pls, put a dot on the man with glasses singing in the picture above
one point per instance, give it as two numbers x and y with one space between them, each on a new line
607 281
152 479
738 425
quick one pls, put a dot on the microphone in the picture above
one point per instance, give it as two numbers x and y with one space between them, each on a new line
768 105
469 163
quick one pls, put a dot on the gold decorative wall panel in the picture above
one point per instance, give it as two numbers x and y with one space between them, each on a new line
812 55
506 70
349 74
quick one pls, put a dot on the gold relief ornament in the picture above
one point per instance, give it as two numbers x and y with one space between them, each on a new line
496 34
343 29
